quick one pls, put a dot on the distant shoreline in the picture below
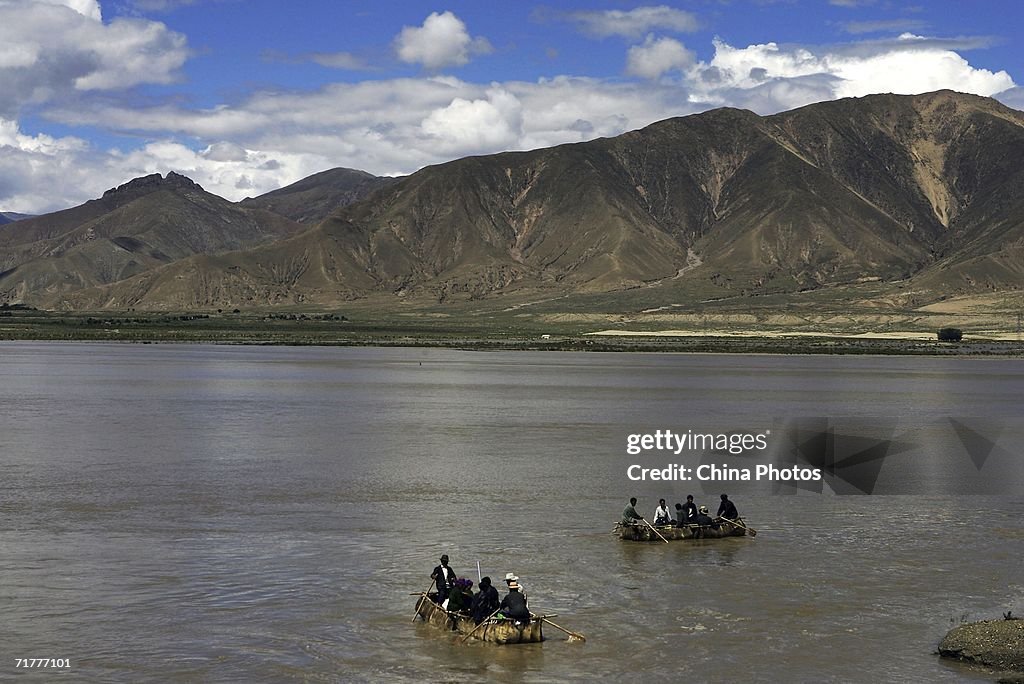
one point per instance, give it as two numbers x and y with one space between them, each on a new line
328 331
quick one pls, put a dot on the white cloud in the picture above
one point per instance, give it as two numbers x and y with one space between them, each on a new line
236 175
54 49
87 8
795 76
225 152
41 173
131 51
397 126
657 56
633 23
467 126
441 41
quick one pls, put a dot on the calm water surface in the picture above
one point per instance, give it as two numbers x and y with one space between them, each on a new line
205 513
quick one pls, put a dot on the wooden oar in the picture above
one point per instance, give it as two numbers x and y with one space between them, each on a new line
653 530
484 622
751 530
425 598
573 636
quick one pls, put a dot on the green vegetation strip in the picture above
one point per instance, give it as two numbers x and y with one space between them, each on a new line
483 333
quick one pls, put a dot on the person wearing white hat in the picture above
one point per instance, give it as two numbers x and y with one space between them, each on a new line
512 577
514 606
705 521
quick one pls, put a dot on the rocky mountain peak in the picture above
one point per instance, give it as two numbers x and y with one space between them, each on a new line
152 183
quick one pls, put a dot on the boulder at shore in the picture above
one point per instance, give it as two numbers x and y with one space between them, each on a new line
995 643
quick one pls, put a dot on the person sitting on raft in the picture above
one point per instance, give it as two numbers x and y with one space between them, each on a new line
460 598
727 509
511 577
629 514
689 512
705 521
661 514
485 602
513 606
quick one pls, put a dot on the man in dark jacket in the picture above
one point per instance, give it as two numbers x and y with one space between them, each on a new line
689 516
727 509
513 606
485 602
445 578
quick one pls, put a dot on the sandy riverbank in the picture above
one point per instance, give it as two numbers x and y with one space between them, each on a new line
909 335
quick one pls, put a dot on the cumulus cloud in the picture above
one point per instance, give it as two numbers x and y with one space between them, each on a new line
770 77
657 56
225 152
39 173
633 23
466 126
87 8
441 41
52 49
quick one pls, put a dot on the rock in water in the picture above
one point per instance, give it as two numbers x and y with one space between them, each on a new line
995 643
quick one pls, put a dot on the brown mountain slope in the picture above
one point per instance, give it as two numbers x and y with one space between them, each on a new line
716 205
29 238
983 249
141 225
312 199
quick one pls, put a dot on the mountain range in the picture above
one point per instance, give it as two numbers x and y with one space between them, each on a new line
917 194
11 216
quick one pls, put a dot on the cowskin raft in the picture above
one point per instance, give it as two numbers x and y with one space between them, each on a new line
645 533
494 630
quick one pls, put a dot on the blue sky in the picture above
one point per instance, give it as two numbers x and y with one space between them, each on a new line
247 96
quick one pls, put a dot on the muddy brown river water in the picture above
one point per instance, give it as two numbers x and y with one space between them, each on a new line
262 514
